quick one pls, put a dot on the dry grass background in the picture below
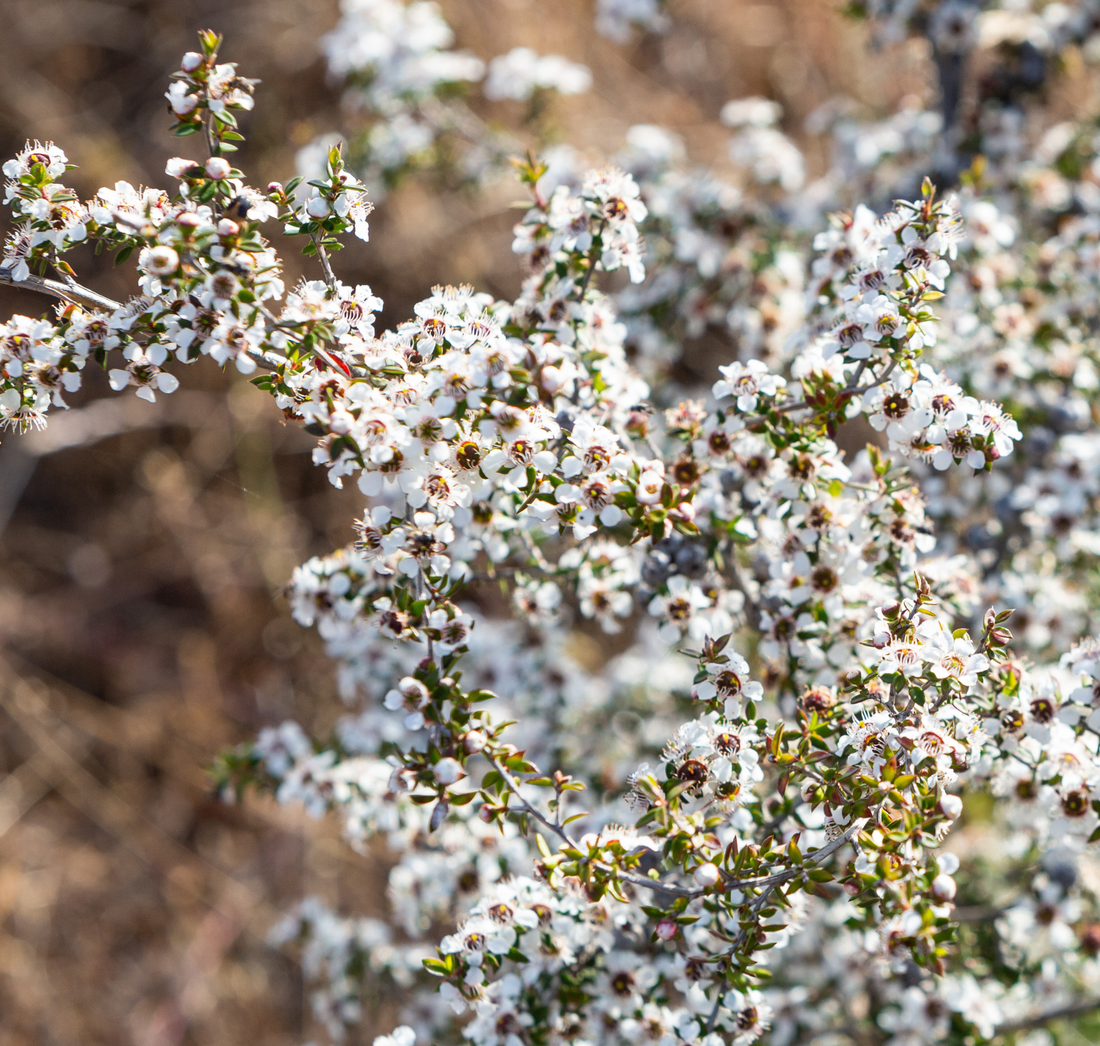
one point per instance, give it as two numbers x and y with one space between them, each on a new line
143 548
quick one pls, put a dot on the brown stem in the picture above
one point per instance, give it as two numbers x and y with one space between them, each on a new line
326 266
68 291
1078 1009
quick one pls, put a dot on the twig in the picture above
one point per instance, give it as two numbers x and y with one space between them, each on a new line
514 788
742 937
71 292
597 237
1077 1009
851 389
979 913
326 267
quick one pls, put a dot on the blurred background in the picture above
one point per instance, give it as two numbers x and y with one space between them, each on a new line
143 547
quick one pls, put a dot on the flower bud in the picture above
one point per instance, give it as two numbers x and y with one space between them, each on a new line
552 378
686 511
191 61
274 188
447 771
177 166
474 741
951 805
487 813
706 875
217 167
227 227
317 207
943 888
667 929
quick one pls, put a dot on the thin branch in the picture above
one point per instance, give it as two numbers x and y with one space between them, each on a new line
751 607
75 293
1078 1009
851 389
656 884
71 292
597 236
514 788
979 913
326 266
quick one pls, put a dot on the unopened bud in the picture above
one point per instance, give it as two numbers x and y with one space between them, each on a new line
951 805
217 167
191 61
447 771
667 929
474 741
706 875
943 888
227 227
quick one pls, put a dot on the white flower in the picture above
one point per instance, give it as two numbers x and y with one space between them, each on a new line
955 658
747 381
520 72
401 1036
752 112
159 261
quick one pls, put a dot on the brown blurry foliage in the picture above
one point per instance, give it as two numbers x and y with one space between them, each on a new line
143 547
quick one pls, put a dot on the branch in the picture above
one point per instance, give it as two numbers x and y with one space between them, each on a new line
513 787
77 294
597 237
326 266
1078 1009
767 882
71 292
980 913
851 389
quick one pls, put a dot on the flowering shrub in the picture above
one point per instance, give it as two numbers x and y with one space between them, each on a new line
736 826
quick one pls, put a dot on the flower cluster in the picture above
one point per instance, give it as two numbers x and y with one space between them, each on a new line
736 825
